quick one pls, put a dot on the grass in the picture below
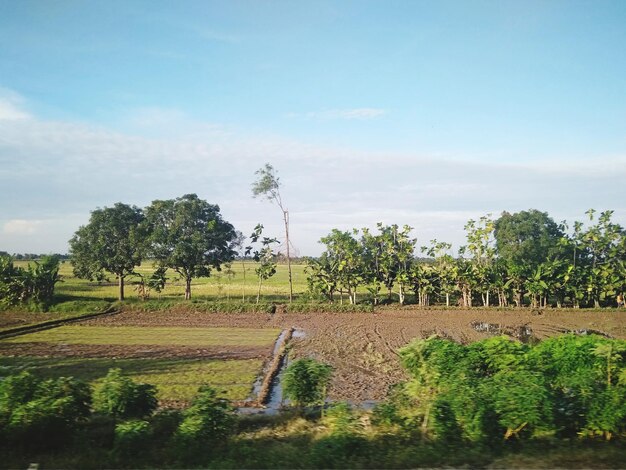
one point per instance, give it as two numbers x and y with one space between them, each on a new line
176 379
19 317
156 336
219 286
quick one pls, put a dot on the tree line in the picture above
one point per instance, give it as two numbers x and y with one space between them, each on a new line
521 258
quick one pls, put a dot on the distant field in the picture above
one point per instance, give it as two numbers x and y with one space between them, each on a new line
155 336
177 380
219 286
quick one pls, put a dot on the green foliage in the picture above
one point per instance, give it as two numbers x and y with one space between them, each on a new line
41 414
120 397
111 242
33 284
190 236
305 381
132 437
209 420
498 388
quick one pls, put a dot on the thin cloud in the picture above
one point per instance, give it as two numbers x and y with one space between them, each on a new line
360 114
163 153
21 227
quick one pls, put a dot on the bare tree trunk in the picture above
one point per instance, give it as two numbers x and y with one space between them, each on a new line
188 288
121 284
286 218
447 299
258 293
243 288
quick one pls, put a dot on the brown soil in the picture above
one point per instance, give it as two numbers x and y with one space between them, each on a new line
128 351
362 348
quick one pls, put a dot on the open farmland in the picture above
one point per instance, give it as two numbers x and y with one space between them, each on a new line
175 359
362 347
222 285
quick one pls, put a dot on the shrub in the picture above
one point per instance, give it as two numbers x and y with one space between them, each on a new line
121 397
132 436
209 419
40 414
305 381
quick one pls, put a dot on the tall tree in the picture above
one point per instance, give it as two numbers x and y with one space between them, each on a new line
190 236
525 240
268 185
343 252
111 242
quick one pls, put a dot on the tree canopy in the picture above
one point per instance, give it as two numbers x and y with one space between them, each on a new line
111 242
189 235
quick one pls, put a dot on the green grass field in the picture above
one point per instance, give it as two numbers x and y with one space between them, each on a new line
151 336
176 379
219 286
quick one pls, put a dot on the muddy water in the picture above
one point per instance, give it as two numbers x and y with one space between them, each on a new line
275 400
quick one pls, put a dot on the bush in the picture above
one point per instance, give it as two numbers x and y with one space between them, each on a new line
132 436
42 414
120 397
305 381
497 388
209 419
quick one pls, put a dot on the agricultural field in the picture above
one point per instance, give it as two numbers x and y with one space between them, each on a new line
175 359
361 347
221 285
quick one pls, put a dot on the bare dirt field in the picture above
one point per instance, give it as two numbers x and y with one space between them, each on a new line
362 348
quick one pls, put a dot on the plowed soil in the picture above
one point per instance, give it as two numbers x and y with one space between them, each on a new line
362 348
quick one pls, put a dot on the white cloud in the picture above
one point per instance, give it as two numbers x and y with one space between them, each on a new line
10 107
346 114
72 168
21 227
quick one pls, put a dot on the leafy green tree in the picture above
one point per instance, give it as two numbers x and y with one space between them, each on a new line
42 277
446 271
482 255
342 257
525 240
322 275
603 246
12 289
305 382
190 236
264 256
111 242
268 185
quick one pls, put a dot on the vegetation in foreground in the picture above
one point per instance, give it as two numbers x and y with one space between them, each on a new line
495 402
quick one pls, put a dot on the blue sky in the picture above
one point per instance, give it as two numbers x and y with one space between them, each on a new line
419 113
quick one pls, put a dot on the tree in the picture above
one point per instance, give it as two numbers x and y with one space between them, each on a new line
190 236
479 241
524 241
265 257
268 185
111 242
343 254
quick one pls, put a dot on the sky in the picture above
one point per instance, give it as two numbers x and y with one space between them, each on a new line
425 113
